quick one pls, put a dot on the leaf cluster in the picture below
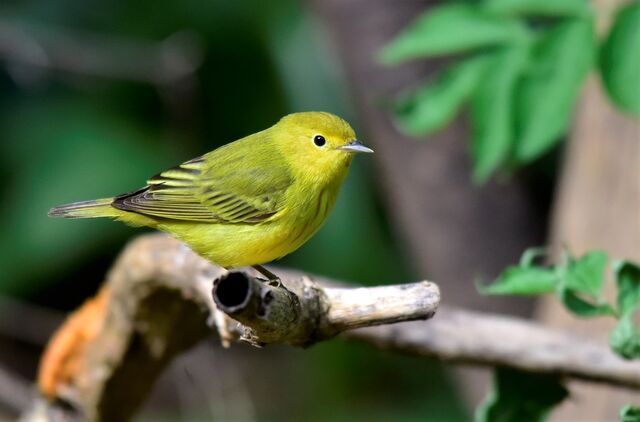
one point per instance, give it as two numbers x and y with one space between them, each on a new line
578 283
520 396
519 66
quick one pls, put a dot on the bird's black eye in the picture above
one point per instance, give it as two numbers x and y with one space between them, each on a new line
319 140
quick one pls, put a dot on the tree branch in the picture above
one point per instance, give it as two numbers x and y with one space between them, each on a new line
15 391
158 298
483 339
46 49
305 312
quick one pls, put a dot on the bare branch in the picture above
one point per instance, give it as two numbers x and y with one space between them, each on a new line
15 391
305 312
156 303
476 338
171 61
159 300
27 322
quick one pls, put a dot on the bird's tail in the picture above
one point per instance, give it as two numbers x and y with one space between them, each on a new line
85 209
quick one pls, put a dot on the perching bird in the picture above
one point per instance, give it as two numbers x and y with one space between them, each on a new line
248 202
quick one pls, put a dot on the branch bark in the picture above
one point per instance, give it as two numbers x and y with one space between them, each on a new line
305 312
459 336
15 391
159 300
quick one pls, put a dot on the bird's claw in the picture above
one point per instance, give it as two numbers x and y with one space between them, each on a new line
275 283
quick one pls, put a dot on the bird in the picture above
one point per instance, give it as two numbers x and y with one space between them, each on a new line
246 203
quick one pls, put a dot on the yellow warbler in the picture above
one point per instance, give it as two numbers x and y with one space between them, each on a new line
248 202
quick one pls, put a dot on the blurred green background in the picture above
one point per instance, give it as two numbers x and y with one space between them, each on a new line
131 89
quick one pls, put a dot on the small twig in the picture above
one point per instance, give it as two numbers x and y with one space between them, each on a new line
15 392
24 321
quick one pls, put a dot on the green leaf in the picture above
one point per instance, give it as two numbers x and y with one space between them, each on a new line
520 396
625 338
586 274
583 308
554 8
620 59
630 413
530 255
560 62
628 281
522 281
581 282
492 112
434 105
449 29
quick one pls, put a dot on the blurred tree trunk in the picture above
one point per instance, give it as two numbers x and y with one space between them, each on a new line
454 231
597 206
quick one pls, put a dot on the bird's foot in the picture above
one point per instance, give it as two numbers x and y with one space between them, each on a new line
275 283
271 279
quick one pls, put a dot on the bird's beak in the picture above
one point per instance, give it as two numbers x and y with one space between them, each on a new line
355 146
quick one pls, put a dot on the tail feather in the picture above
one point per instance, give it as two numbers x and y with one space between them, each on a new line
85 209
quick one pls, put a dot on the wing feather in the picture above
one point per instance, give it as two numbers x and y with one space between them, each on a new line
225 192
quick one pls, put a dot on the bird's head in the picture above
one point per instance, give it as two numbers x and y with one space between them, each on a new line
319 144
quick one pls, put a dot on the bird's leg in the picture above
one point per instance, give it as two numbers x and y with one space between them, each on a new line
272 279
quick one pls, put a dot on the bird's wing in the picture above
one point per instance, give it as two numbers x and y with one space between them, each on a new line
214 188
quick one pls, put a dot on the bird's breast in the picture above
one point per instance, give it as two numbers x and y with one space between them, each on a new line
249 244
306 216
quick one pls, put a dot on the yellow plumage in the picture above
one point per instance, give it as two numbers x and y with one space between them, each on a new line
248 202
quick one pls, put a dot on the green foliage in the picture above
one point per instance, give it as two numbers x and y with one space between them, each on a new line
630 413
521 101
572 280
560 60
551 8
492 109
578 283
432 35
432 106
584 307
625 338
586 274
522 280
628 281
520 396
619 61
581 282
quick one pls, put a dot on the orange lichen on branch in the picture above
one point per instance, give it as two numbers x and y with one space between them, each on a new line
63 358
